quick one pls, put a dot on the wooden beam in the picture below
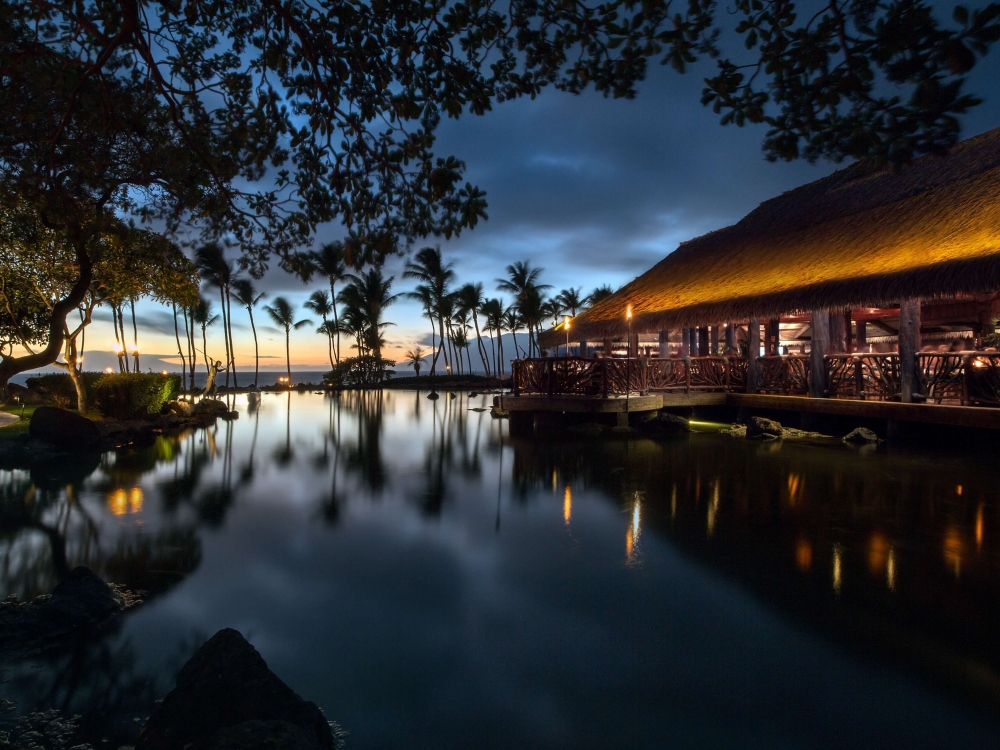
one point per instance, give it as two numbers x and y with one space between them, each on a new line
820 345
909 345
838 333
753 352
703 350
731 343
861 344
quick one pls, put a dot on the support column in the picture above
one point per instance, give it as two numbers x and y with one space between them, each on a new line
909 345
608 346
820 345
703 350
773 337
731 344
685 342
838 333
753 352
986 327
633 346
583 348
713 340
861 345
847 327
664 337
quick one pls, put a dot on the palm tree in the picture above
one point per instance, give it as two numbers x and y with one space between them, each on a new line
429 268
571 300
202 315
511 320
492 310
219 272
600 294
329 261
283 315
370 292
470 299
319 302
414 357
423 294
522 282
246 295
533 312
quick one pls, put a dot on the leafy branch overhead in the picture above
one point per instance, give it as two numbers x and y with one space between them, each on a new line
855 78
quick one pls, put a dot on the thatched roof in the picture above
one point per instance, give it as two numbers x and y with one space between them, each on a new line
863 236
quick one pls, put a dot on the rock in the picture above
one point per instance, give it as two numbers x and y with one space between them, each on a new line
226 697
761 428
861 436
180 408
63 429
83 596
433 396
497 413
210 407
587 428
82 601
478 408
665 424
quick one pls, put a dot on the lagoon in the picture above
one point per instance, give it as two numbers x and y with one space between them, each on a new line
431 582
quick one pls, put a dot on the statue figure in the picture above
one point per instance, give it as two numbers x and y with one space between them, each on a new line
210 388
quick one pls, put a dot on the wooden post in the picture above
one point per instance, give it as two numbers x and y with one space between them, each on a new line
909 345
664 344
862 338
633 346
685 342
583 348
773 337
608 346
703 350
731 343
847 328
838 333
753 351
820 344
713 340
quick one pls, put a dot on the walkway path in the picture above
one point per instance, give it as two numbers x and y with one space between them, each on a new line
8 419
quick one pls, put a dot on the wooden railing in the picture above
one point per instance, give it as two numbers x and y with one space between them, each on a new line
956 377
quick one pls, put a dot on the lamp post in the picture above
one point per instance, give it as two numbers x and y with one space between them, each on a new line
628 357
566 326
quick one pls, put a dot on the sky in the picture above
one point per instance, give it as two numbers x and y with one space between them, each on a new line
593 190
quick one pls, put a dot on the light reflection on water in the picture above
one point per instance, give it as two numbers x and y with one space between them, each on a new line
430 582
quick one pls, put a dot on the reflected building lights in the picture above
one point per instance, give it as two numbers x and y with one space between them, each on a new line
953 549
567 504
795 485
979 526
555 481
122 502
838 554
633 533
803 554
890 569
673 503
713 508
878 553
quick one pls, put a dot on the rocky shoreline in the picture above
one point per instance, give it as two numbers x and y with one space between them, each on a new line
56 435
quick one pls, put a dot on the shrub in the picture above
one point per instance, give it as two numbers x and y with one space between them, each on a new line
130 395
366 370
58 388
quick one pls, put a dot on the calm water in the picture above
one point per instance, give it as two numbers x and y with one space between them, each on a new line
431 583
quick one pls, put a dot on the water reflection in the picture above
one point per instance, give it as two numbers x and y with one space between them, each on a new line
359 536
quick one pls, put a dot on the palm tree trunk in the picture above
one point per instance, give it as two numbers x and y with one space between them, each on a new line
336 319
256 350
479 345
135 336
433 345
442 344
192 349
204 347
288 355
229 328
177 335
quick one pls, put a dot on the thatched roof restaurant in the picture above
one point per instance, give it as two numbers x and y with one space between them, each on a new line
863 237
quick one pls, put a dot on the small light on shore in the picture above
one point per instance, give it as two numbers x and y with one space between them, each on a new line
163 372
108 370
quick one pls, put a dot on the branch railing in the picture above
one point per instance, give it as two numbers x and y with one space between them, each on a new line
971 378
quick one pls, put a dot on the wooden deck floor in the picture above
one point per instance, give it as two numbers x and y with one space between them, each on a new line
955 416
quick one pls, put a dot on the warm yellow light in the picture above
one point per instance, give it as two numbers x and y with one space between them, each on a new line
979 526
123 501
803 555
628 312
163 372
838 552
890 570
118 349
566 321
567 504
878 553
79 360
108 370
953 549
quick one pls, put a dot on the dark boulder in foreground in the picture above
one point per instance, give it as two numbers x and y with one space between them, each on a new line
664 424
64 429
761 428
81 601
227 698
861 436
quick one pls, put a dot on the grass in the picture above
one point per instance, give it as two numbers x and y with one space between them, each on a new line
16 429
